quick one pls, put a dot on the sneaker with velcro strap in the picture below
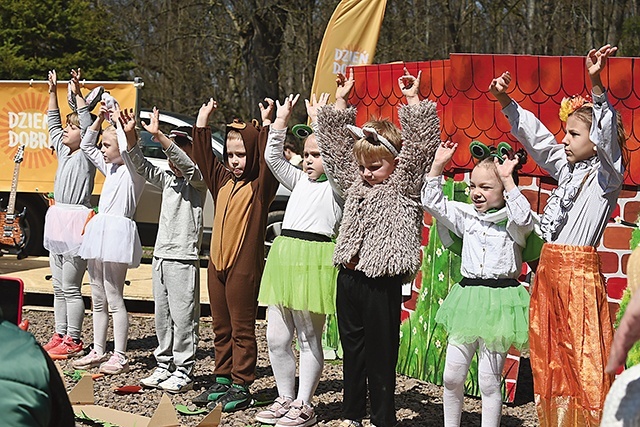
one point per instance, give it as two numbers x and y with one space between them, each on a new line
178 382
277 410
159 375
299 415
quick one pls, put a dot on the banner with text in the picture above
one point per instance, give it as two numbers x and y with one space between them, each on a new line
23 121
350 39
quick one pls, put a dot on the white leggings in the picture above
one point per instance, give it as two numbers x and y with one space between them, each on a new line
281 325
107 284
68 307
490 366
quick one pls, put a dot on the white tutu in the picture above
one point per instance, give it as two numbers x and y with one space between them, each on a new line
63 226
111 238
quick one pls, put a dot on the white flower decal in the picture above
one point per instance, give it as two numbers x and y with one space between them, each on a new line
467 191
438 344
414 330
440 301
439 251
441 276
421 319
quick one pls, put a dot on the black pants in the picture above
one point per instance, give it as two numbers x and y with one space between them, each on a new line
369 324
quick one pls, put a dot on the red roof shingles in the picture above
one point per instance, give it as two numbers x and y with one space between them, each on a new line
467 111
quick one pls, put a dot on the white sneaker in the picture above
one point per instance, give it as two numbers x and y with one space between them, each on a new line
178 382
116 364
154 380
89 361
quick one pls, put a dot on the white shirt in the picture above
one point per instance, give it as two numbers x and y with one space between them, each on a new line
313 206
491 248
122 185
578 210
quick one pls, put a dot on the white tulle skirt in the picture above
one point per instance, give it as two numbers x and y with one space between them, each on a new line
111 238
63 227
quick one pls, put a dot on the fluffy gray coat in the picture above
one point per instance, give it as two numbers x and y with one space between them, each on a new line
381 224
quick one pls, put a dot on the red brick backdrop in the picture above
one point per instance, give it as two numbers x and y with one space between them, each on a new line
468 112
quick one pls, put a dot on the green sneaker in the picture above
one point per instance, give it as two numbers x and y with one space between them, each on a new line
213 393
238 397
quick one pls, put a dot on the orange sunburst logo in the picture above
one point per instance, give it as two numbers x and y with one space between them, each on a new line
23 121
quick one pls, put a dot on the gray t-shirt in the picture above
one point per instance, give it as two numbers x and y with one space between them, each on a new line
180 226
73 183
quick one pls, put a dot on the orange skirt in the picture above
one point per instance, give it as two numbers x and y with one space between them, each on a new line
570 336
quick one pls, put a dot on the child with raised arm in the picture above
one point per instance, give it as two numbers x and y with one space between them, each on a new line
111 243
380 172
299 279
176 260
65 220
488 311
571 330
242 187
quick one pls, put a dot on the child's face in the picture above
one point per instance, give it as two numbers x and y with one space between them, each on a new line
486 189
375 171
312 161
577 145
71 136
110 149
236 156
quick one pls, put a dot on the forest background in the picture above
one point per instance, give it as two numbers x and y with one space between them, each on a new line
241 51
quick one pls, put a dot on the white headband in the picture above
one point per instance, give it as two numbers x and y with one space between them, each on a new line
371 134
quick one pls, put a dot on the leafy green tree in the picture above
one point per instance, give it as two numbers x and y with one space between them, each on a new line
38 35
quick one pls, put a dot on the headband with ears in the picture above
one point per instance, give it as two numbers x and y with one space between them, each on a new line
92 99
480 151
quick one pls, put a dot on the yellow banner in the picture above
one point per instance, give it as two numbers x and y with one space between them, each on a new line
350 39
23 120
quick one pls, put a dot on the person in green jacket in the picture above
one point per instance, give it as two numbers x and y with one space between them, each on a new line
31 390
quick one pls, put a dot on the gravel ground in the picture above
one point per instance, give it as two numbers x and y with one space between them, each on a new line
418 403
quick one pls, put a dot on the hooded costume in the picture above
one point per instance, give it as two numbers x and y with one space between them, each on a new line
236 260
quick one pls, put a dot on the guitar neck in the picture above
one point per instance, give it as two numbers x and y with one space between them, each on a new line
14 186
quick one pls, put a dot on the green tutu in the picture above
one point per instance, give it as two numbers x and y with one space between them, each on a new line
499 316
299 274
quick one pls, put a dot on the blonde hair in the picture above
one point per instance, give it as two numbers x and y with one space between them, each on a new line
74 119
234 134
364 150
585 115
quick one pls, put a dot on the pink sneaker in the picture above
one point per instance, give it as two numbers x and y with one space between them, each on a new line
89 361
116 364
54 341
277 410
67 348
299 415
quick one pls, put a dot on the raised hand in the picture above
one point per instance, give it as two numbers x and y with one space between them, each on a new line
74 82
265 111
283 111
345 85
126 118
499 85
154 124
597 59
443 156
314 105
410 86
205 113
505 169
52 79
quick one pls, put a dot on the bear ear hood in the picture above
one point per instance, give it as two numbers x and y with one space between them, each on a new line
250 134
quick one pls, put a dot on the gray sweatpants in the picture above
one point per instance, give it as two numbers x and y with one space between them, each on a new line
68 307
176 293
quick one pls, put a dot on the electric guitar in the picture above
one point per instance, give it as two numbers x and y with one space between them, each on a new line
12 234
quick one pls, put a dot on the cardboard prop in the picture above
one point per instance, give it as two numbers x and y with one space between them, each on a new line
82 400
